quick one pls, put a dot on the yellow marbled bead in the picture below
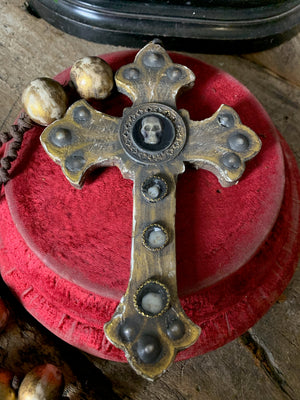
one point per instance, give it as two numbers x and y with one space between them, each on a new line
44 382
92 77
6 391
44 100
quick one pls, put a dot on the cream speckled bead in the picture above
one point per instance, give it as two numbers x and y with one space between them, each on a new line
44 100
44 382
92 77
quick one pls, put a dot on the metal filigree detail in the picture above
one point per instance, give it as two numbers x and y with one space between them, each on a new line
152 140
155 188
148 288
132 121
158 243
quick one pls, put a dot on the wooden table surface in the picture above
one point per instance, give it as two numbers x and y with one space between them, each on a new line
262 364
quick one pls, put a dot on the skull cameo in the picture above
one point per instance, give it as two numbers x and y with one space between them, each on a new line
151 130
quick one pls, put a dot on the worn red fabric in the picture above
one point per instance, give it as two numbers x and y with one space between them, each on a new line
66 252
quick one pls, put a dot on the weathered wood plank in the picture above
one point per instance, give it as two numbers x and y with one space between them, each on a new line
30 48
264 364
24 344
281 342
227 373
283 60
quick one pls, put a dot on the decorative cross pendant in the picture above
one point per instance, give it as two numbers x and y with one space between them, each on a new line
151 144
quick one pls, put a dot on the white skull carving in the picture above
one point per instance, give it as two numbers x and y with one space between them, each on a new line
151 130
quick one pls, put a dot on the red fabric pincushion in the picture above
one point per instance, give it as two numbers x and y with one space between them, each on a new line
66 252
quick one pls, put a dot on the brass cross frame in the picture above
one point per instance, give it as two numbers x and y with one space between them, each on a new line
151 144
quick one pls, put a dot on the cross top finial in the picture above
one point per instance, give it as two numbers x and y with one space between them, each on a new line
151 144
153 77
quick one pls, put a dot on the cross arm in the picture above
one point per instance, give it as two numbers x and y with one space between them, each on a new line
83 139
221 144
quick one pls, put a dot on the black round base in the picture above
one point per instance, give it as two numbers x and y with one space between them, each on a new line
215 26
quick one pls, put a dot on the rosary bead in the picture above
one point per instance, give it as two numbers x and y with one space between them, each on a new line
44 382
92 77
4 314
44 100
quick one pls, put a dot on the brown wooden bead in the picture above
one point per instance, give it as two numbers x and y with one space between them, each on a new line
92 77
4 314
44 382
44 100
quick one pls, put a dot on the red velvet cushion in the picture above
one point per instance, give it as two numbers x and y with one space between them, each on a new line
236 247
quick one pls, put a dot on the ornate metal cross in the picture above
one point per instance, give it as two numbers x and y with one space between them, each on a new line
151 144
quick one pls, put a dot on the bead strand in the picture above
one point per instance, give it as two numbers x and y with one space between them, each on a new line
15 137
